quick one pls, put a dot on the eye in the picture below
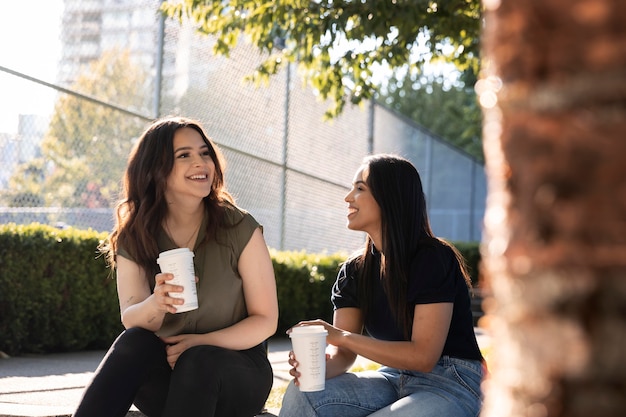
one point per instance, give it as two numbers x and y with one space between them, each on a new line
183 155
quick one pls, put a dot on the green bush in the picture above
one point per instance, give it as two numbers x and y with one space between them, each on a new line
55 291
471 253
57 294
304 282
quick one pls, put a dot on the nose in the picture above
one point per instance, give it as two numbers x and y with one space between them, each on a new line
348 197
198 160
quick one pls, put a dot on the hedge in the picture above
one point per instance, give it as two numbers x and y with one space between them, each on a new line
57 294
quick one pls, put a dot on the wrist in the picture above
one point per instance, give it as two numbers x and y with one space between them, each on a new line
344 339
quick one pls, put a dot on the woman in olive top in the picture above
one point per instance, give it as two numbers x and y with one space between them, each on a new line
204 362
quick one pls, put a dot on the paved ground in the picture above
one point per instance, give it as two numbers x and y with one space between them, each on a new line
51 385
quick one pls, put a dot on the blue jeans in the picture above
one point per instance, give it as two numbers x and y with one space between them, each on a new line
451 389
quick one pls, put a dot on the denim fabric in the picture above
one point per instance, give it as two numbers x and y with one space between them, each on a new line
451 389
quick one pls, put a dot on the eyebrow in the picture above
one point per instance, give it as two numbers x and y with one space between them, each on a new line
360 182
190 148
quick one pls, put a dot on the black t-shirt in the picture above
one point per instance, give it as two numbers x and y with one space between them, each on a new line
435 277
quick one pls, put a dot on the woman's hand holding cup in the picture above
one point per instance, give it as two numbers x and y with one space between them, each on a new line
294 367
162 291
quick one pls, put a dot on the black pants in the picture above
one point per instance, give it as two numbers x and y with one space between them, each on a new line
206 381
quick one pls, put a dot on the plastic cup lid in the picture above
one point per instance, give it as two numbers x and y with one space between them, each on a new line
179 251
306 330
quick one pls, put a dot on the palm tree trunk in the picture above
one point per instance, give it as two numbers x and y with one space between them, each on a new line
554 97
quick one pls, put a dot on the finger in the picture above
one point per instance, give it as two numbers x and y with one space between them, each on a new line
172 288
171 340
174 300
162 277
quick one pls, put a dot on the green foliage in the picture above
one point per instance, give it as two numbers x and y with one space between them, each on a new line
450 110
56 294
471 253
304 282
340 45
85 150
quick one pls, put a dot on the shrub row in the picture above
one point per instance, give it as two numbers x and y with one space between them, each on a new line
55 292
57 295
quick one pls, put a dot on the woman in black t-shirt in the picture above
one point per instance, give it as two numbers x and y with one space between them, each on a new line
404 302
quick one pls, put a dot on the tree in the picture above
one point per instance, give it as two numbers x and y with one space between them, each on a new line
341 45
25 185
87 145
555 243
447 108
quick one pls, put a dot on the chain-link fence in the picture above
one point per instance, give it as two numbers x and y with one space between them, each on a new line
121 65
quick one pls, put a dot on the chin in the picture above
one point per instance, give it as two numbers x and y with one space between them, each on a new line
352 227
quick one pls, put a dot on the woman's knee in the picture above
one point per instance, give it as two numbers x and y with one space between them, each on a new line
136 335
138 342
295 403
203 362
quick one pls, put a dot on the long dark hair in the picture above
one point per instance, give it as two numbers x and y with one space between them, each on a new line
142 206
397 188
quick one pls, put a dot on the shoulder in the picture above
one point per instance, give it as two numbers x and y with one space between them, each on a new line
350 266
235 216
434 248
345 289
434 257
238 227
434 273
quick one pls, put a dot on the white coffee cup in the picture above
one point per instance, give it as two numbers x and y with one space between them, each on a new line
309 346
179 262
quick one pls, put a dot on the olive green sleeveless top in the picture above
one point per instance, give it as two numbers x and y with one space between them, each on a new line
220 289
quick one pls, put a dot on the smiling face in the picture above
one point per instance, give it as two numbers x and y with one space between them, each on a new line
363 211
193 170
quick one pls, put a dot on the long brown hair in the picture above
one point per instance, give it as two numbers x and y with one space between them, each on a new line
142 207
397 188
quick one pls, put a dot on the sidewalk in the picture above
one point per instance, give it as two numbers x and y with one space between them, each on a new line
51 385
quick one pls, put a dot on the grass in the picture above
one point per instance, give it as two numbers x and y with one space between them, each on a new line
275 399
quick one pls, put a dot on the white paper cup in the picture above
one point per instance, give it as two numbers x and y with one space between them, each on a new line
179 262
309 346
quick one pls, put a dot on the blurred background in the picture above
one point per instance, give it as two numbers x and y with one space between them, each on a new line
81 79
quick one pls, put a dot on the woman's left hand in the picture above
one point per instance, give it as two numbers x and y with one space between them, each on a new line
334 334
176 345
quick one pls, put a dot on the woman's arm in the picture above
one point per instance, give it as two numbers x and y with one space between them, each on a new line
259 288
341 359
430 330
138 306
421 353
338 359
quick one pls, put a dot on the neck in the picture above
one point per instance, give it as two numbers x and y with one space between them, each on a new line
377 242
182 216
182 226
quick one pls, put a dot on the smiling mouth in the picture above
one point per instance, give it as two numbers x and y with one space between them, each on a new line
198 177
351 210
